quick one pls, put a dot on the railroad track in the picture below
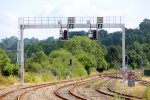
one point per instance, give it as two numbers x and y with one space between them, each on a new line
73 81
66 92
111 92
88 93
18 94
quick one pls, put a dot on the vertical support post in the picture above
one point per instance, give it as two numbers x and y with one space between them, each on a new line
70 71
142 68
97 32
123 56
70 68
21 57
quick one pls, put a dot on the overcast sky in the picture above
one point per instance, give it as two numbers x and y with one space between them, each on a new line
134 12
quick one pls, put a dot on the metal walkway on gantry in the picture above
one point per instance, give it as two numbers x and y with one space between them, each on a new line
80 22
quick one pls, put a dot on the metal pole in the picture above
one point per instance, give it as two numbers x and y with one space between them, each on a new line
142 68
123 55
70 71
21 57
70 63
97 32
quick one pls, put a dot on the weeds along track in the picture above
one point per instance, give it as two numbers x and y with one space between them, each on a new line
64 89
84 90
107 90
17 94
66 92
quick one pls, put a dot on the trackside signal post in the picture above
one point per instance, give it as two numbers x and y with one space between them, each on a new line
70 64
67 23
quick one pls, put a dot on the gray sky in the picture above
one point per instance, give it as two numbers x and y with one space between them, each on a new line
134 12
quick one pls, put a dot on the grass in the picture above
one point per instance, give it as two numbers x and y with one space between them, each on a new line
147 93
110 71
138 90
8 82
90 84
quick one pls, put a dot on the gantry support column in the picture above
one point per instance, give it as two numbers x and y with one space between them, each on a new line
21 49
123 57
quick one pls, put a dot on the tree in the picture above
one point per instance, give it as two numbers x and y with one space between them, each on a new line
113 56
77 33
5 66
87 60
37 63
145 26
78 44
60 59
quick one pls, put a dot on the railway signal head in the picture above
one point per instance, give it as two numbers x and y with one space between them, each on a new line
65 35
126 59
94 35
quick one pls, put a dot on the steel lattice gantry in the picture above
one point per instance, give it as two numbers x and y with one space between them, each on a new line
65 22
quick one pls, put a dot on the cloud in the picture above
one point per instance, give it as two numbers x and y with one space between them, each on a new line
9 24
78 8
10 15
49 8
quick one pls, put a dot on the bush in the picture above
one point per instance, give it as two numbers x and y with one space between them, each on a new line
7 80
92 51
47 77
29 78
60 59
34 67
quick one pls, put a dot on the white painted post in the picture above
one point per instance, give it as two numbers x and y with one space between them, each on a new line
21 57
123 55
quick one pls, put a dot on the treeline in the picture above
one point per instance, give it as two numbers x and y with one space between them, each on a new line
137 45
52 55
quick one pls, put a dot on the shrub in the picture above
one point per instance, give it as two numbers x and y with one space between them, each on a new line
7 80
30 77
60 59
47 77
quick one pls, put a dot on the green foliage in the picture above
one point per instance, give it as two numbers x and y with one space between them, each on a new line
145 26
37 63
39 57
5 66
30 78
60 59
9 43
47 46
87 55
113 56
147 94
138 53
8 69
47 77
7 80
77 33
34 67
86 59
92 51
87 85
